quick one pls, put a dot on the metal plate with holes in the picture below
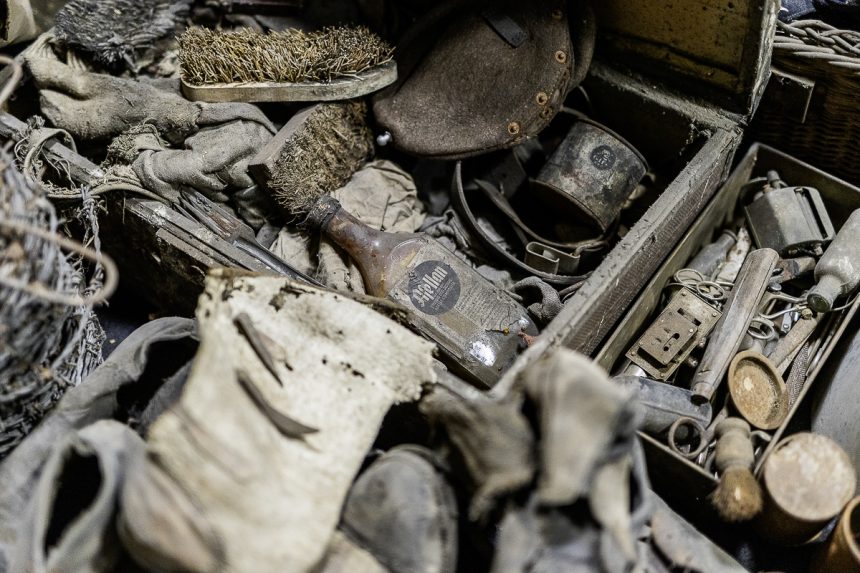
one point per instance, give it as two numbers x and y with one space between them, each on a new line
685 322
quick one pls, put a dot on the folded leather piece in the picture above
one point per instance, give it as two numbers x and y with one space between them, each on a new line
474 76
69 523
118 388
251 494
403 511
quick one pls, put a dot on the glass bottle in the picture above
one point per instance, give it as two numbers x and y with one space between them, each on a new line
479 327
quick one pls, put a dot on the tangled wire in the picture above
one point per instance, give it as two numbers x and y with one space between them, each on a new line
50 338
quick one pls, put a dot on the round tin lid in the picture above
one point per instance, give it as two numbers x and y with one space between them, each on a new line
758 391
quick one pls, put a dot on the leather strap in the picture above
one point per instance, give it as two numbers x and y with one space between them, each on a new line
458 196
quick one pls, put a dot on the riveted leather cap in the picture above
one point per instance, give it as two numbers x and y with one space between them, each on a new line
478 75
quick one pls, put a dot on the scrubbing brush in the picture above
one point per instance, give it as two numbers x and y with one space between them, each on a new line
335 63
314 154
115 32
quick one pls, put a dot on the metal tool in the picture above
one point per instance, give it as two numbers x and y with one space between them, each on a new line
738 312
689 437
789 220
224 224
550 260
684 323
728 273
664 403
713 255
789 345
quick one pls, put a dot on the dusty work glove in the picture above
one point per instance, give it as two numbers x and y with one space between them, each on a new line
493 438
213 161
69 523
250 469
122 388
97 107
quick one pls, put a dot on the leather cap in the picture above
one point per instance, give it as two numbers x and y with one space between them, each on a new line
476 76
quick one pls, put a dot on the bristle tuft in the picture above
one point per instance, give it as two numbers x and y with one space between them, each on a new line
212 57
332 144
115 32
738 496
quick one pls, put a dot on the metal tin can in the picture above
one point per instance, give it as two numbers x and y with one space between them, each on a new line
807 480
590 175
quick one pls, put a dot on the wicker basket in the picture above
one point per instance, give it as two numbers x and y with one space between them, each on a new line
829 138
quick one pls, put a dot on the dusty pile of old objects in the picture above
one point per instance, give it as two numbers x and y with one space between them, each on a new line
369 286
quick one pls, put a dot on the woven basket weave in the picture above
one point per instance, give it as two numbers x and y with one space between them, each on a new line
830 136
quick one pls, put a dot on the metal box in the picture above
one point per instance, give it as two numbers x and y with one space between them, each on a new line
682 483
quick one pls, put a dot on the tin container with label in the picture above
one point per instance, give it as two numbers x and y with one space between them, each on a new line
590 175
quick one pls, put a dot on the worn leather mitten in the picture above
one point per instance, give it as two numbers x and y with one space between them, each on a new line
402 510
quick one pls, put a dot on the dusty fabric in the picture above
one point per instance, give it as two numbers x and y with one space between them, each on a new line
562 383
542 301
20 24
97 107
493 438
534 538
447 102
111 391
69 523
381 195
403 511
254 486
160 524
115 32
590 504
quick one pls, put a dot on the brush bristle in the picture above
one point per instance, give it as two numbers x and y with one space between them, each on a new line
113 32
738 495
211 57
332 144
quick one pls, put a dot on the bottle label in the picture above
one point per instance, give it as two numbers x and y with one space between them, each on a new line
471 319
434 287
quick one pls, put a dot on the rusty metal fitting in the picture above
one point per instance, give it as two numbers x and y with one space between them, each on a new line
514 128
561 57
541 98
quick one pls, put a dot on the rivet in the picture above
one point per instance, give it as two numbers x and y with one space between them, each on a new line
557 14
560 57
546 112
513 128
541 98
